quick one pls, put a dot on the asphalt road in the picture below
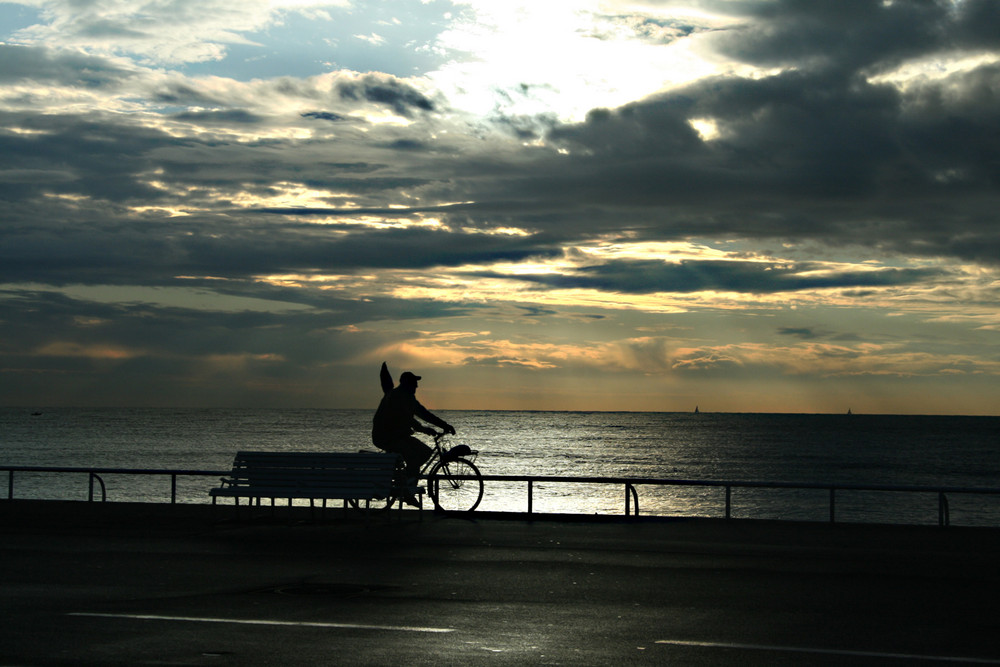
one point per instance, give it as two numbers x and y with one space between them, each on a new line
154 585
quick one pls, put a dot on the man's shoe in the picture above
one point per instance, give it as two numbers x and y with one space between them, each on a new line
411 500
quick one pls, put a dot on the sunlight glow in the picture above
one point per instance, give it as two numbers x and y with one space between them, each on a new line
288 195
923 70
674 251
97 352
172 212
706 128
26 131
513 43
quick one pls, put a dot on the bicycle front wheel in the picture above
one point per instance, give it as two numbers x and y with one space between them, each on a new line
450 490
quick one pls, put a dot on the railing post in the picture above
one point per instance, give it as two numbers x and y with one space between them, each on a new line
729 501
531 484
90 489
631 500
104 490
173 488
944 516
10 485
833 515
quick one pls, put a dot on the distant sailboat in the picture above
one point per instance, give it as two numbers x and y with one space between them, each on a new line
849 411
696 409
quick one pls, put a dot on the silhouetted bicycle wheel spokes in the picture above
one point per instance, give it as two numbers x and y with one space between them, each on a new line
455 486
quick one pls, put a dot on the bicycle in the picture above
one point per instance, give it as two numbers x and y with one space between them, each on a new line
454 483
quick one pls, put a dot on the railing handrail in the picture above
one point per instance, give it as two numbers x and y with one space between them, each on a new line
114 471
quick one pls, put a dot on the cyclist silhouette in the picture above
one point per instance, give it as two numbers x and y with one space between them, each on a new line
395 422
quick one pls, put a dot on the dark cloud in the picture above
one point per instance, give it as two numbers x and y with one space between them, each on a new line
96 159
977 23
537 311
155 253
184 94
221 117
386 90
407 145
266 249
804 333
324 115
43 65
646 277
785 141
840 34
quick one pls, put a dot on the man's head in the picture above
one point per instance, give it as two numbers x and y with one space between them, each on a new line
408 379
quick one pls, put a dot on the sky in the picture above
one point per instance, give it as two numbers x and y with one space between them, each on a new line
740 205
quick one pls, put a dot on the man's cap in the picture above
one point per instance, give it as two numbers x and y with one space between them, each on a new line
407 377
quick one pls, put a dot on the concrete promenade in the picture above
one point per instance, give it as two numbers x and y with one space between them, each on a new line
135 584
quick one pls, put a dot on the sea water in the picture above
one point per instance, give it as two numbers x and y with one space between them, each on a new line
883 450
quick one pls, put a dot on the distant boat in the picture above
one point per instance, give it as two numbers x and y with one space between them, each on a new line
849 411
696 409
36 414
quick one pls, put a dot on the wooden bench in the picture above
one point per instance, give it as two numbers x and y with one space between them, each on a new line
362 476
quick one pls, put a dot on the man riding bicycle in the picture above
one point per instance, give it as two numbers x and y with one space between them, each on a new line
395 422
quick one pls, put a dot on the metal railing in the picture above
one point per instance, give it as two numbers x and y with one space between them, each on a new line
629 485
94 476
631 496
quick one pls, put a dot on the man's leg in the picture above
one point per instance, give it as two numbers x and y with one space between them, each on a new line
415 453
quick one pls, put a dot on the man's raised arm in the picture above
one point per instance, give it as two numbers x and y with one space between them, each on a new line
385 378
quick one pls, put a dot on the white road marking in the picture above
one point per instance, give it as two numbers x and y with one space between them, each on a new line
829 651
250 621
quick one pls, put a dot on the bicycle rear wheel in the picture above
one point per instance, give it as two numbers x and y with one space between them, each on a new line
450 491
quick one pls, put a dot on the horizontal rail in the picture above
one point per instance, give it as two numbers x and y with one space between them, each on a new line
115 471
629 485
741 484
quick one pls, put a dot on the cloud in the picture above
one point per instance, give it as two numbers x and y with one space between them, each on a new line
324 115
44 65
167 33
111 253
799 332
224 118
646 277
403 99
836 171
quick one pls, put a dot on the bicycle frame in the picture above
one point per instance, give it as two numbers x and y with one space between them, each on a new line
437 454
454 483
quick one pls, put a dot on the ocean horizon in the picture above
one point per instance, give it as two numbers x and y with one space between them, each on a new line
828 448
